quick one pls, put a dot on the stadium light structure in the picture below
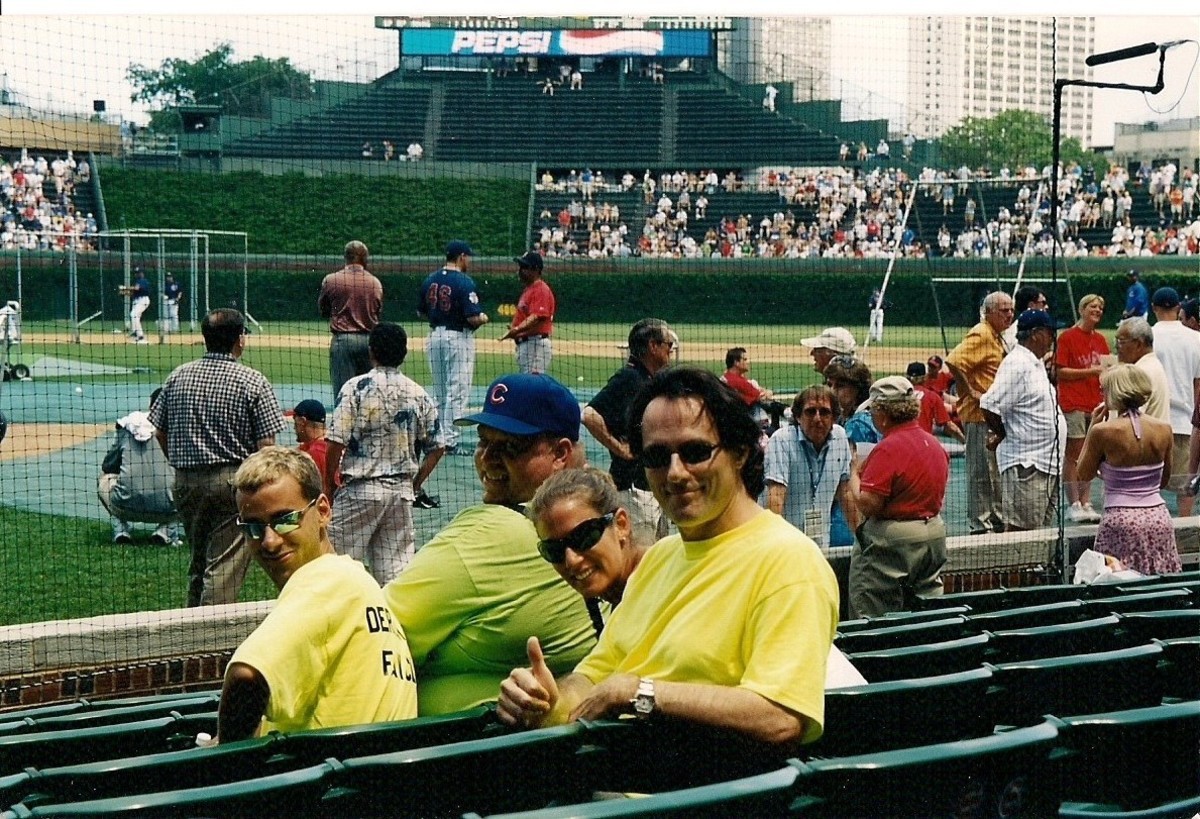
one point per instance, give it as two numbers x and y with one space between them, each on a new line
1103 58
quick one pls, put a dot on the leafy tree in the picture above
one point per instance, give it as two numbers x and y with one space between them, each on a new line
1011 139
242 88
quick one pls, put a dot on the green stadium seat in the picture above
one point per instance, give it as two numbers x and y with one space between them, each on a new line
768 794
978 601
1040 595
520 771
1163 625
1179 669
69 747
927 659
112 716
228 762
1061 640
1182 809
900 618
903 713
88 704
1079 684
1165 584
1065 611
1142 601
931 631
292 793
1134 758
984 776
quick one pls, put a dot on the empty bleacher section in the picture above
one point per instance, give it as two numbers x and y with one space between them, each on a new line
720 127
385 111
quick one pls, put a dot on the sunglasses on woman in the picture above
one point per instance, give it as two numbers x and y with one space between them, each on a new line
691 453
283 524
578 540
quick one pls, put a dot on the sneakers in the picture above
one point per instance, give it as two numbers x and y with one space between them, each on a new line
426 501
122 538
1079 513
141 341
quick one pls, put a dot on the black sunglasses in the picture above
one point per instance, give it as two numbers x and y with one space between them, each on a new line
283 524
691 453
578 540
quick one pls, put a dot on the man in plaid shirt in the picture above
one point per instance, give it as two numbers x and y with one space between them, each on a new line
212 414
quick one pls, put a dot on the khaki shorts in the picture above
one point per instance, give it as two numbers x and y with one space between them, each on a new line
1180 450
1078 422
1030 497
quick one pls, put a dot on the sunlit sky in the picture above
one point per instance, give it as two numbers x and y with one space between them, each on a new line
65 60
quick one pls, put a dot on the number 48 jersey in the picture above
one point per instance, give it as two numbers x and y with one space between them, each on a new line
448 298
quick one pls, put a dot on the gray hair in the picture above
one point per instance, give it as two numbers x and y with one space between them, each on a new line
1138 329
992 300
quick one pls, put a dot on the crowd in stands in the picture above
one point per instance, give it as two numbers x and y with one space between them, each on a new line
33 219
850 212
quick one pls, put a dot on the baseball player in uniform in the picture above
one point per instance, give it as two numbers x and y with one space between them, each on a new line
533 323
450 302
172 296
139 300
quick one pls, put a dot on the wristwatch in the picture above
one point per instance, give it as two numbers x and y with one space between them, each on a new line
643 700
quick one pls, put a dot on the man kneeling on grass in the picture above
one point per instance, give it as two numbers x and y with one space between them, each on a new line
329 653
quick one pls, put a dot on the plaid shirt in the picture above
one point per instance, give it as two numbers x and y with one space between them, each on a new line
214 411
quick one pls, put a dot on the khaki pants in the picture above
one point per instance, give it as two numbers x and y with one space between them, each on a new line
205 499
983 481
893 557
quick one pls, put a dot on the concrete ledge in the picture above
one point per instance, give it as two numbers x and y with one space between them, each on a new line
118 639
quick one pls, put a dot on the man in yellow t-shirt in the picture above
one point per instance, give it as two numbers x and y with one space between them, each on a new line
329 653
727 624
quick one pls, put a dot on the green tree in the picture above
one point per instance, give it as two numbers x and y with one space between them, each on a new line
242 88
1011 139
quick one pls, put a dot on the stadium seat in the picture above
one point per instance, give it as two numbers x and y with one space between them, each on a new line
1179 669
293 793
1080 684
1018 596
984 776
111 716
1142 601
978 601
1145 626
900 618
524 770
1065 611
768 794
902 713
87 704
229 762
1133 758
1090 810
873 639
1085 637
39 750
1165 584
927 659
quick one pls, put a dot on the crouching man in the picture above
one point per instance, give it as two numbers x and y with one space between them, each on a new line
329 653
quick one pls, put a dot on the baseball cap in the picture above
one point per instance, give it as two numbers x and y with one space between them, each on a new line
1165 297
915 370
935 360
531 260
892 388
838 339
528 404
310 409
458 247
1032 319
1133 274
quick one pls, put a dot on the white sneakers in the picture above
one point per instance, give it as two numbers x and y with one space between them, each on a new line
1080 513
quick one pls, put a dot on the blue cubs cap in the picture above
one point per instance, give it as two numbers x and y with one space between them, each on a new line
528 404
458 248
1032 319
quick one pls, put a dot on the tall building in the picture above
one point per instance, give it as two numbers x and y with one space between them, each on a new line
979 66
780 49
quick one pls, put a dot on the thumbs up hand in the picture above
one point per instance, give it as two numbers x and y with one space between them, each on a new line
529 694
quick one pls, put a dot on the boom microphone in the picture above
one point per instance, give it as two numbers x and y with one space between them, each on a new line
1122 54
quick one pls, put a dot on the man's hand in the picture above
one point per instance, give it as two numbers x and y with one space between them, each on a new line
608 699
529 694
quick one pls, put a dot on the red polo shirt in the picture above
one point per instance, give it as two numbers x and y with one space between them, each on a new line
910 469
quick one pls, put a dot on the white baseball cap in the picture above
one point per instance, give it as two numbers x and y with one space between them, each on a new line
838 339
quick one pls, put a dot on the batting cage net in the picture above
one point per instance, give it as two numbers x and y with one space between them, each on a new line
798 201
